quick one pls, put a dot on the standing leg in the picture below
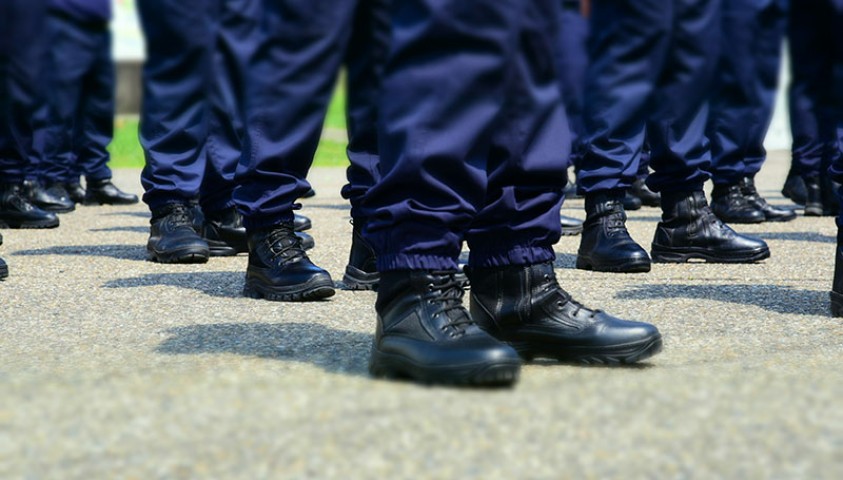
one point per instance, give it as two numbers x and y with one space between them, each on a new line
628 48
174 122
365 57
292 73
22 57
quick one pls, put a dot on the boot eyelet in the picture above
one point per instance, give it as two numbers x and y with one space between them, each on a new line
560 305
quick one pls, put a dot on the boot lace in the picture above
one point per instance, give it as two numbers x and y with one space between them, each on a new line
284 243
447 291
552 285
179 216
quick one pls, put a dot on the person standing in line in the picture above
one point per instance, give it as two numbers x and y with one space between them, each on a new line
652 63
291 75
23 48
813 39
190 127
474 157
81 98
817 46
742 107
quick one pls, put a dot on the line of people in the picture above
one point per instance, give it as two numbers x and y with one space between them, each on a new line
57 97
458 134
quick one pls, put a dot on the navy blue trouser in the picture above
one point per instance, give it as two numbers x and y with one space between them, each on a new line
81 97
189 126
364 60
22 59
816 48
572 61
292 75
472 136
745 86
651 67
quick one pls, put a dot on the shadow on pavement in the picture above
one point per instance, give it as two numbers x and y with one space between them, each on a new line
121 229
779 299
121 252
797 236
335 351
129 214
215 284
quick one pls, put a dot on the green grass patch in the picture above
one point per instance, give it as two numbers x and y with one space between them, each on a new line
126 151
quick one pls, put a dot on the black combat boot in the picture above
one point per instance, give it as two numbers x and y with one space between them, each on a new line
4 269
606 245
16 211
828 192
630 202
425 333
280 270
526 308
690 230
730 205
173 238
837 284
44 199
75 191
648 197
103 192
813 197
570 226
301 223
361 273
225 233
771 213
794 188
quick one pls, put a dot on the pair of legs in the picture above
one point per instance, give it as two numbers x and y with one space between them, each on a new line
476 157
292 73
23 50
742 101
80 121
814 97
652 63
191 125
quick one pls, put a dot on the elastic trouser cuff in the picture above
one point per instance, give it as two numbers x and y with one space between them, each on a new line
409 261
520 255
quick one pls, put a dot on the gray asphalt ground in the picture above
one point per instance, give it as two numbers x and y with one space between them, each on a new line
114 367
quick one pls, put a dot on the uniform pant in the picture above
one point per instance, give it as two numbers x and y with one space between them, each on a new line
22 56
745 87
472 136
292 75
651 66
364 60
572 61
189 129
816 48
80 124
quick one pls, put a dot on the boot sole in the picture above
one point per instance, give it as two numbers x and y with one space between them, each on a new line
683 255
27 225
315 289
836 304
4 271
631 266
356 279
612 355
93 203
184 255
498 374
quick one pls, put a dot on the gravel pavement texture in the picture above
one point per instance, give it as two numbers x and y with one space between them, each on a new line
113 367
